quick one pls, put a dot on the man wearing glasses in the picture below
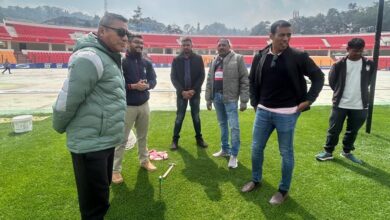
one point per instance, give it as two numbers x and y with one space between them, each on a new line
278 93
139 78
91 108
226 83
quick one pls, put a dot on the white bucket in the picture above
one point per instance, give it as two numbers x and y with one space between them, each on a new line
22 123
131 140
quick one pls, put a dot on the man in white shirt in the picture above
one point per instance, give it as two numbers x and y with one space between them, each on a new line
349 79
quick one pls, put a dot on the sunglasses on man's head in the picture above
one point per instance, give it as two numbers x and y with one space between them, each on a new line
119 31
273 62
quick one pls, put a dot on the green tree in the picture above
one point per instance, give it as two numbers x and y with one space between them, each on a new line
173 29
136 18
261 28
189 29
334 22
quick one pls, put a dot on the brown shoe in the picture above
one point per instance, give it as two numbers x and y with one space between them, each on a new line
250 186
117 177
174 145
278 198
147 165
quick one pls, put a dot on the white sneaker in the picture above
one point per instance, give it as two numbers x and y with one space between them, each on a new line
221 153
233 162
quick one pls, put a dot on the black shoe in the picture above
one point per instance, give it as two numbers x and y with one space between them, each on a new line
201 143
174 145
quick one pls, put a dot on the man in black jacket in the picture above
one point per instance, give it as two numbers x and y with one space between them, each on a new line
139 78
278 93
187 76
7 66
349 79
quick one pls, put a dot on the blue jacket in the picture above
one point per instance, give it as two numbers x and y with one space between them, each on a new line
136 68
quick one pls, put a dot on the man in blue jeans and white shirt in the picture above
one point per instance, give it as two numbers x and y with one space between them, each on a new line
278 93
349 79
226 82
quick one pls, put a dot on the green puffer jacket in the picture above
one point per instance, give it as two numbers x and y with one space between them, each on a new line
91 106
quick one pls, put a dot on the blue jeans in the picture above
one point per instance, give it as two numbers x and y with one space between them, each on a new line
228 116
265 123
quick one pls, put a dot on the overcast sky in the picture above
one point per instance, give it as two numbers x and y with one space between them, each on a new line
233 13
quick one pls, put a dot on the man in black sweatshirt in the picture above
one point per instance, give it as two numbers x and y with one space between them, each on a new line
140 77
278 93
187 76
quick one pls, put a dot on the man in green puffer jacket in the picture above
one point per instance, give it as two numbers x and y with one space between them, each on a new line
90 108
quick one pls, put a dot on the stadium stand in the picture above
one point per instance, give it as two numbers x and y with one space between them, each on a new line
44 33
4 34
252 43
307 43
323 61
340 41
47 56
202 42
161 41
162 58
34 39
384 62
7 55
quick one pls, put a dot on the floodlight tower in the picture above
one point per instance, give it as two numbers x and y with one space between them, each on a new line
295 14
105 5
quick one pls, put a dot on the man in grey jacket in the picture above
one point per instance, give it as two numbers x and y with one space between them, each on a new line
227 82
91 108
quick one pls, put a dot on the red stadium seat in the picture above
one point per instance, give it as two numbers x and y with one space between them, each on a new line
44 33
48 57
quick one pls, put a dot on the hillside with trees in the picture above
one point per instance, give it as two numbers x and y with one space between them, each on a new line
356 19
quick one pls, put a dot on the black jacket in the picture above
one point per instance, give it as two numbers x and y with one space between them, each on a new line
338 75
197 73
136 68
299 65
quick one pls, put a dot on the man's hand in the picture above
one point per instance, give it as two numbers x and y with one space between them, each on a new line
303 105
188 94
242 106
145 82
185 95
209 106
191 92
140 85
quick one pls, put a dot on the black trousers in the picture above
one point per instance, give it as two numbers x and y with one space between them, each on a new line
355 120
93 173
181 105
5 69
